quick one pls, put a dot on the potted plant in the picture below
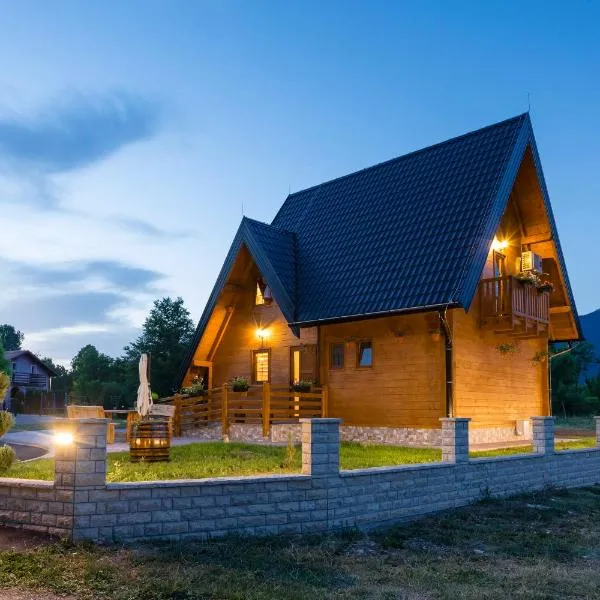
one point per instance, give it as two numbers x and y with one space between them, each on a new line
240 384
196 389
545 286
301 386
528 278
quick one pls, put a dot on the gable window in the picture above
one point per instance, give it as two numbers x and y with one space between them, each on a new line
261 366
336 355
260 298
365 353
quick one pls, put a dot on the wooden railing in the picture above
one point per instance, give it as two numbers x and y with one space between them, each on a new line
261 404
508 297
35 380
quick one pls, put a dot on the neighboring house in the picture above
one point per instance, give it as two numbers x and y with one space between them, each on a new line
28 373
396 287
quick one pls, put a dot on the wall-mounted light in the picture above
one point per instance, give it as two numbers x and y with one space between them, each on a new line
262 333
63 438
498 245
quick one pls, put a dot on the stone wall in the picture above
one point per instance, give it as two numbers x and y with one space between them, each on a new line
320 499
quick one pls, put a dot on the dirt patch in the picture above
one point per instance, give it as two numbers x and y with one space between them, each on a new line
15 539
12 594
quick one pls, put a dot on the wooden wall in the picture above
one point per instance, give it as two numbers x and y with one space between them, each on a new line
403 388
234 355
492 388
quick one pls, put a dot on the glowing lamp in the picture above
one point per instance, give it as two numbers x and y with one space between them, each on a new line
499 245
63 438
262 333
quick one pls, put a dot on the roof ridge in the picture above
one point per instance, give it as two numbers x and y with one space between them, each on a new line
287 231
403 156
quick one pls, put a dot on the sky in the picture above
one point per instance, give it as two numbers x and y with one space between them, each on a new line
134 135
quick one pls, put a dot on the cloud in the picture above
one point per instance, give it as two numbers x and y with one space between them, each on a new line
105 273
146 229
75 132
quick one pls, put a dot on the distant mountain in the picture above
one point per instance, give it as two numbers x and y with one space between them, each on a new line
590 324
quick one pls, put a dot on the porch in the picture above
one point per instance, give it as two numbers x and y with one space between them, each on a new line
262 405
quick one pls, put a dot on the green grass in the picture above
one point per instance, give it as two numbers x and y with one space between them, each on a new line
218 459
534 547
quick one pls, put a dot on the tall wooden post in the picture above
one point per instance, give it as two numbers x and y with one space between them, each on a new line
266 408
224 412
324 402
178 427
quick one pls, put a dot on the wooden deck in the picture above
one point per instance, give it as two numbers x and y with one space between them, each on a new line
511 307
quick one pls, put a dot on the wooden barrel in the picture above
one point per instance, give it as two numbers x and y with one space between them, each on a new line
150 441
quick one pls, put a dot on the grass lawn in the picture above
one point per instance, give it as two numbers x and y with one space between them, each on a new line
218 459
534 547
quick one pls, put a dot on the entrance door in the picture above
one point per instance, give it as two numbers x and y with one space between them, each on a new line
304 365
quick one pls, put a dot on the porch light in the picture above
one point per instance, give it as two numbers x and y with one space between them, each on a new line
262 333
499 245
63 438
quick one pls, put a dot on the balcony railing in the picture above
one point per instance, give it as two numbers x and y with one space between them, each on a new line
506 298
33 380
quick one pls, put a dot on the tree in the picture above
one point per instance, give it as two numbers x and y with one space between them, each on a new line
4 374
570 394
62 380
166 335
10 337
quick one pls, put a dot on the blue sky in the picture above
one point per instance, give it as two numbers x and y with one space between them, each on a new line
131 133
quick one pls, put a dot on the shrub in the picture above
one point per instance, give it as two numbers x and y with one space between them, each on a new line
6 421
4 384
7 458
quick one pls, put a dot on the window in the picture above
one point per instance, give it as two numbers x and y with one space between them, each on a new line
261 366
336 355
365 354
260 299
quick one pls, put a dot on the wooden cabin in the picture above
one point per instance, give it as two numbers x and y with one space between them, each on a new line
423 287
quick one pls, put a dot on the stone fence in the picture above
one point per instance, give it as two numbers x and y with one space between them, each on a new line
79 504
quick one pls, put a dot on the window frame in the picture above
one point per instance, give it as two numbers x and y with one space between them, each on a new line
358 348
266 351
332 345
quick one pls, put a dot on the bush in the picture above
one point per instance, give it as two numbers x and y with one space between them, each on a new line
6 421
7 458
4 384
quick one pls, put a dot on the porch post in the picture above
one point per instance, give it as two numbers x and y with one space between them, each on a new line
324 402
224 413
266 408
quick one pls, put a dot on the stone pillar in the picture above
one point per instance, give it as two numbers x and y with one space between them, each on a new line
80 470
597 419
321 447
543 434
455 440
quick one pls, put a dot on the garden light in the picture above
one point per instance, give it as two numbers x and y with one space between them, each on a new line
63 438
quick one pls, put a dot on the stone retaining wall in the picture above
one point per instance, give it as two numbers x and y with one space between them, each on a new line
320 499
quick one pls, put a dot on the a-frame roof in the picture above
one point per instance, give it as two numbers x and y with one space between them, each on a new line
409 234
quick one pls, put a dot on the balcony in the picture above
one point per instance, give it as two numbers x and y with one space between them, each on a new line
511 307
30 380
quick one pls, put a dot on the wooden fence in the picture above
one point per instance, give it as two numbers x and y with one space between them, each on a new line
261 404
